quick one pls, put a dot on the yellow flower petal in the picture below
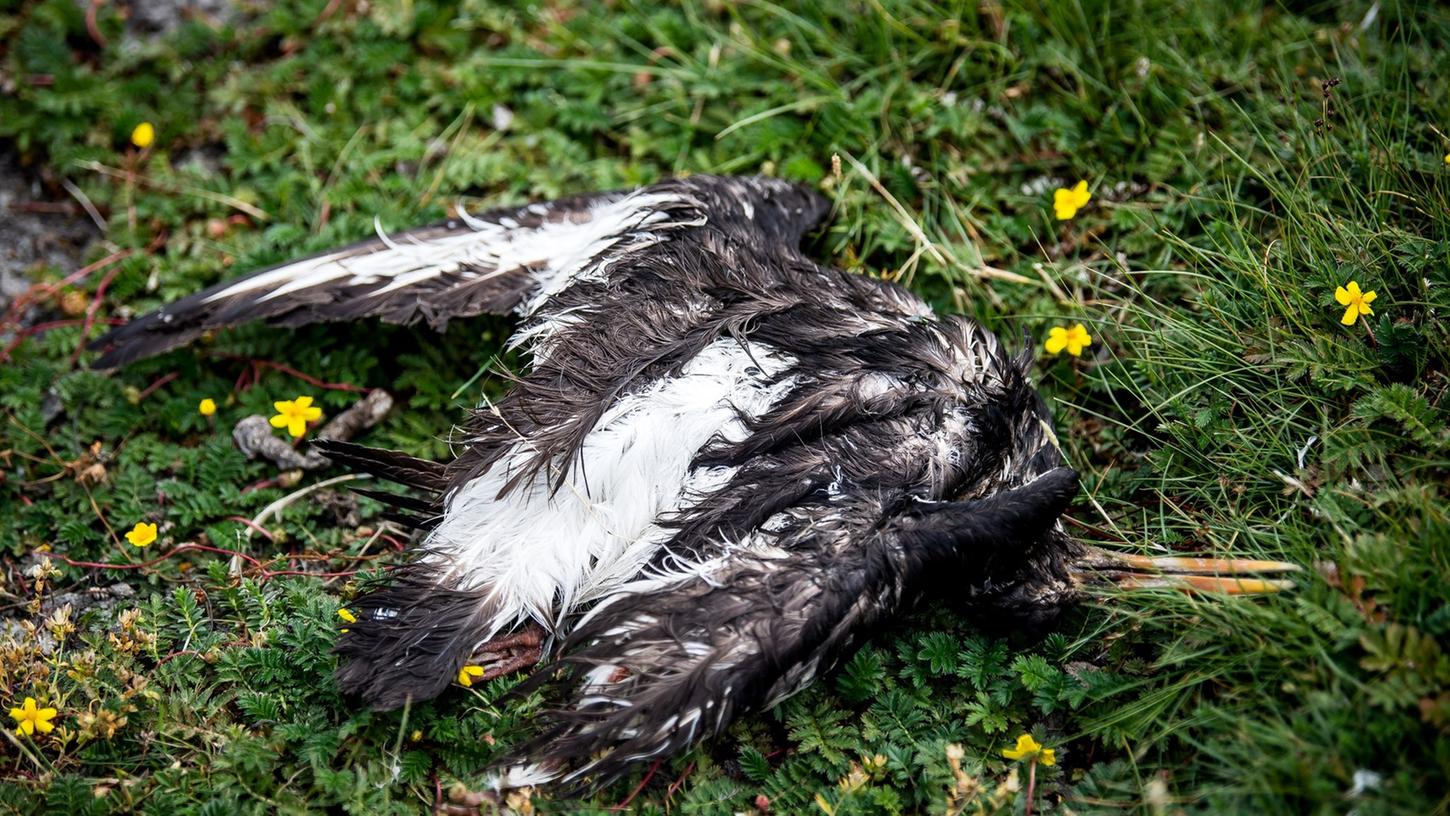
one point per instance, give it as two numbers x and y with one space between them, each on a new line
1056 340
1048 757
142 535
143 135
347 615
206 407
295 414
1351 314
1368 297
467 673
1026 746
1342 295
1066 202
1077 339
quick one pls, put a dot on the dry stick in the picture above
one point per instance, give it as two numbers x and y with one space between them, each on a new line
281 504
253 435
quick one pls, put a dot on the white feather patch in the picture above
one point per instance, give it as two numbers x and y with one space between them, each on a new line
541 554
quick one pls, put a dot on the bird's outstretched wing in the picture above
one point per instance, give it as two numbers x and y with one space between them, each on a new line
493 262
675 658
501 261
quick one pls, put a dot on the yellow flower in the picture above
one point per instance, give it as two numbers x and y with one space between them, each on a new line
29 719
295 414
206 407
1027 748
142 535
347 615
1067 202
467 674
1355 302
1073 340
143 135
1447 158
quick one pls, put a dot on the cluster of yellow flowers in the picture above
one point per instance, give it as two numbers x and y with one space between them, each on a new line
1067 201
294 415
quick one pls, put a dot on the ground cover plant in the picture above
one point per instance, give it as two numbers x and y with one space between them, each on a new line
1245 162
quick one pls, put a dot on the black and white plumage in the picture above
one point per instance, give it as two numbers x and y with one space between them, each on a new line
724 464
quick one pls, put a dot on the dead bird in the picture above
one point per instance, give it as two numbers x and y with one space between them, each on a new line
724 464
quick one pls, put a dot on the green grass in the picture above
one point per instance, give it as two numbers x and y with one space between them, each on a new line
1222 408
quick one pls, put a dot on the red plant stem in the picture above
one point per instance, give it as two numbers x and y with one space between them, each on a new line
162 661
255 526
26 299
307 378
647 777
675 785
272 482
93 27
1031 785
91 313
180 548
160 381
42 328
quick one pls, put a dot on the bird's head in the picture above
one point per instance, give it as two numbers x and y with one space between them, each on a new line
1025 568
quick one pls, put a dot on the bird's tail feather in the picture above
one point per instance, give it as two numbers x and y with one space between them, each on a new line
410 638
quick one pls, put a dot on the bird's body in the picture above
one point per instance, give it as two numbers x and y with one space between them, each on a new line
724 464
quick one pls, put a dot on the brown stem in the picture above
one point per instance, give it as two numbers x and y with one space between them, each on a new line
1374 341
1031 785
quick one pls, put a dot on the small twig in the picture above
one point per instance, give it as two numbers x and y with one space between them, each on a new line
281 504
254 437
85 201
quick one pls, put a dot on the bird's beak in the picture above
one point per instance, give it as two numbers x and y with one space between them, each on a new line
1220 575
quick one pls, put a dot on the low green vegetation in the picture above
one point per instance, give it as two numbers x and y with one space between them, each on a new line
1244 162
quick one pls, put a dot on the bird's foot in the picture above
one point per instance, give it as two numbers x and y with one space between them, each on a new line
510 653
1129 571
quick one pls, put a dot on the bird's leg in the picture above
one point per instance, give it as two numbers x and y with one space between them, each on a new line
510 653
1193 574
